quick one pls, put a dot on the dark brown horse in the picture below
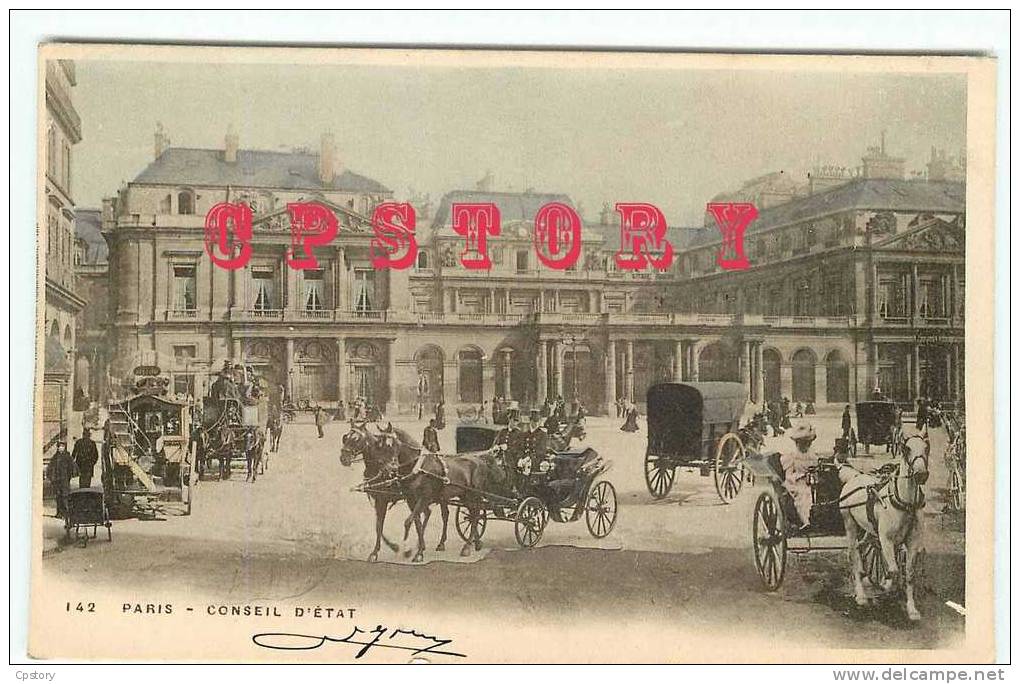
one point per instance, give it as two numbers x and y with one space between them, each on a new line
433 479
389 458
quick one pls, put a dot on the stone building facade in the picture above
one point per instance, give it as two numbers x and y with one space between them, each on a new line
63 303
440 332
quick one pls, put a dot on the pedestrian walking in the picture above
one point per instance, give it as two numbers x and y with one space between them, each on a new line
430 438
85 456
846 421
320 421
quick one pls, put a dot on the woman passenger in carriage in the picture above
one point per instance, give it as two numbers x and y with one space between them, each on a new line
795 464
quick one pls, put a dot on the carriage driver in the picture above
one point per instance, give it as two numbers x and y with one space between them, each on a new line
795 464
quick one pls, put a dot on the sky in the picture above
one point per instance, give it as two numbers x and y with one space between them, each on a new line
673 138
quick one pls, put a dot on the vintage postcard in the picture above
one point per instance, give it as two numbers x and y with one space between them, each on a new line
512 356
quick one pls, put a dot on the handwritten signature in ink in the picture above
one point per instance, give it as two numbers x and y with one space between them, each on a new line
380 637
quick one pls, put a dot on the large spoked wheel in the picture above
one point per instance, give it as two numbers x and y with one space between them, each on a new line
600 511
769 540
659 475
729 467
470 520
530 522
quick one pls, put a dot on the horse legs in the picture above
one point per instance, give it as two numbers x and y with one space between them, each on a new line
889 554
380 517
854 552
915 547
422 524
444 511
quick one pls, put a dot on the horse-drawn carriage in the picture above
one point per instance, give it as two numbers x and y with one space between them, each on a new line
884 503
695 426
876 426
232 426
147 456
564 486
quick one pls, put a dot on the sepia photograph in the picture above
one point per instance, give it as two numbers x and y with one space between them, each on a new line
379 355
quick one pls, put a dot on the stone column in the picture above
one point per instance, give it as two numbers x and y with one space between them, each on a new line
391 378
507 358
949 371
628 378
610 377
288 368
678 361
958 375
341 368
745 365
541 382
506 301
557 357
237 354
915 293
872 369
694 350
759 364
917 370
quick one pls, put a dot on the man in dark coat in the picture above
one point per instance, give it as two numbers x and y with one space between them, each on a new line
922 413
85 456
441 414
846 421
59 472
320 421
430 438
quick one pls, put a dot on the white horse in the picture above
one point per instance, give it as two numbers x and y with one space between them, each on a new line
891 512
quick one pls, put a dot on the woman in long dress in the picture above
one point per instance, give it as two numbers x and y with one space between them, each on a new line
631 413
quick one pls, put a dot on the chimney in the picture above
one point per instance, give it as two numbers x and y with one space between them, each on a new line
878 164
327 159
486 183
161 141
230 146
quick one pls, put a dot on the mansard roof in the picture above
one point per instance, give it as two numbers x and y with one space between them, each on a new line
876 194
513 206
253 169
87 226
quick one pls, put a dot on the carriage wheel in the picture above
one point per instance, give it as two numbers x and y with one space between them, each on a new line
955 490
466 519
530 522
659 475
600 511
729 467
769 541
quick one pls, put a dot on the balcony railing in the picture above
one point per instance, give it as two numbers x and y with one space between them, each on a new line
181 314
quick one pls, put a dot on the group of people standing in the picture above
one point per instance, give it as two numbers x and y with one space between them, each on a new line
64 466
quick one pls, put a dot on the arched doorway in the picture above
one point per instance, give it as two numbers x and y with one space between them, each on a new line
803 362
771 364
469 375
364 359
428 362
837 378
718 362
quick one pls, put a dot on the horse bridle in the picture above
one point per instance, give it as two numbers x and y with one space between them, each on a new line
894 494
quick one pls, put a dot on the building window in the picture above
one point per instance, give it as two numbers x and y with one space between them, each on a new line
931 303
184 384
184 287
891 303
837 378
67 168
522 260
185 202
497 255
422 263
51 151
313 298
364 290
802 298
264 290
